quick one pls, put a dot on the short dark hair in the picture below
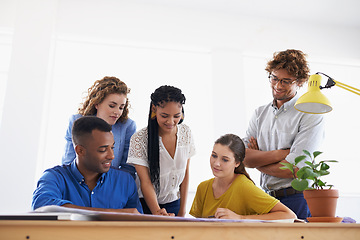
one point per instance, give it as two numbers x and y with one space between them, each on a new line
85 125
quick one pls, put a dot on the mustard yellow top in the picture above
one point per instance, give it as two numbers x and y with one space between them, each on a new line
242 197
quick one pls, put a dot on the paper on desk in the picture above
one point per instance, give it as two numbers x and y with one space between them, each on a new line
81 214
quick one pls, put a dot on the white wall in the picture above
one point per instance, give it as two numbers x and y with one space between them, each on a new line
217 59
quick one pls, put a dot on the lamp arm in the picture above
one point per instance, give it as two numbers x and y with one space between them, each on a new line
347 87
331 82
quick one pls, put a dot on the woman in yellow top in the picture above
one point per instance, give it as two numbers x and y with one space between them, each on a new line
232 194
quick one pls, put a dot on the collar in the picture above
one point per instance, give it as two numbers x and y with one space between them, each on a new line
288 104
79 177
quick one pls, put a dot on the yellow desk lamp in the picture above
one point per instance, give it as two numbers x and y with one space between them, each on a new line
313 101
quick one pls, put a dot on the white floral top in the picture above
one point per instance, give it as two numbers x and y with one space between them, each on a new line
172 170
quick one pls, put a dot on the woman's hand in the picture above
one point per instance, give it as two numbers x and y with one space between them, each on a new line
163 212
181 213
225 213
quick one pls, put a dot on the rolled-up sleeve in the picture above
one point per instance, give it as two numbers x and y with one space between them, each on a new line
310 136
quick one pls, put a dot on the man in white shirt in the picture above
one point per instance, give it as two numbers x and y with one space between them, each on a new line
279 133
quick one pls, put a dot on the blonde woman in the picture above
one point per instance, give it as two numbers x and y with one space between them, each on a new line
107 99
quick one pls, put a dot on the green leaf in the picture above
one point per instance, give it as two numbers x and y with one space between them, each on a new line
320 183
324 166
287 166
315 186
316 165
299 159
307 153
311 171
310 164
299 185
329 161
311 178
305 172
323 173
317 153
300 173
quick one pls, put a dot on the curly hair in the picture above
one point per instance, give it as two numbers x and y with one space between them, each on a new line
237 147
293 61
160 97
99 91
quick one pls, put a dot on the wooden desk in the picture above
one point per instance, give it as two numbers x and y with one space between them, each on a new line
108 230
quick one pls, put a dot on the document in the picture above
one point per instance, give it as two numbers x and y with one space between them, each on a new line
81 214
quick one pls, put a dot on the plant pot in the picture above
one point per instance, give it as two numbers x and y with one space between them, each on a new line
322 202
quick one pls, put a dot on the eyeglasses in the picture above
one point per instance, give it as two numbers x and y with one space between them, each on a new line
285 82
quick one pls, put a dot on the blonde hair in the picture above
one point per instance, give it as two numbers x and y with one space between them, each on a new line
99 91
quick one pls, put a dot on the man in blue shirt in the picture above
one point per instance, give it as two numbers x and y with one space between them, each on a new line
279 133
89 182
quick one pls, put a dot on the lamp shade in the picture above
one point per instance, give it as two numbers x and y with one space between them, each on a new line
313 101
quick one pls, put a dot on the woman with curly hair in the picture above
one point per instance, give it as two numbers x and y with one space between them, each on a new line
107 99
161 153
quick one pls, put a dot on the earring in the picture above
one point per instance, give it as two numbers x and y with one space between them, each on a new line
182 116
153 115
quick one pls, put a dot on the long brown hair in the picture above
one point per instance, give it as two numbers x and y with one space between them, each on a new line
99 91
237 147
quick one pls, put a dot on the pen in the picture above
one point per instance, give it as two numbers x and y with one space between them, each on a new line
212 216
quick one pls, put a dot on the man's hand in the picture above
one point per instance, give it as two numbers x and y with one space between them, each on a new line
253 144
257 158
126 210
274 170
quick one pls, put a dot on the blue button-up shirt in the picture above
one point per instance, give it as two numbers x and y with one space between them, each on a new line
284 128
115 189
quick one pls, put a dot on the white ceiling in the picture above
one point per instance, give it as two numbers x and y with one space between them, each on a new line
337 12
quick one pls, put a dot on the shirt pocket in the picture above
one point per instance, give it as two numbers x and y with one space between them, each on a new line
285 139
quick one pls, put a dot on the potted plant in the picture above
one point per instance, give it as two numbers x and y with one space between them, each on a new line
320 196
